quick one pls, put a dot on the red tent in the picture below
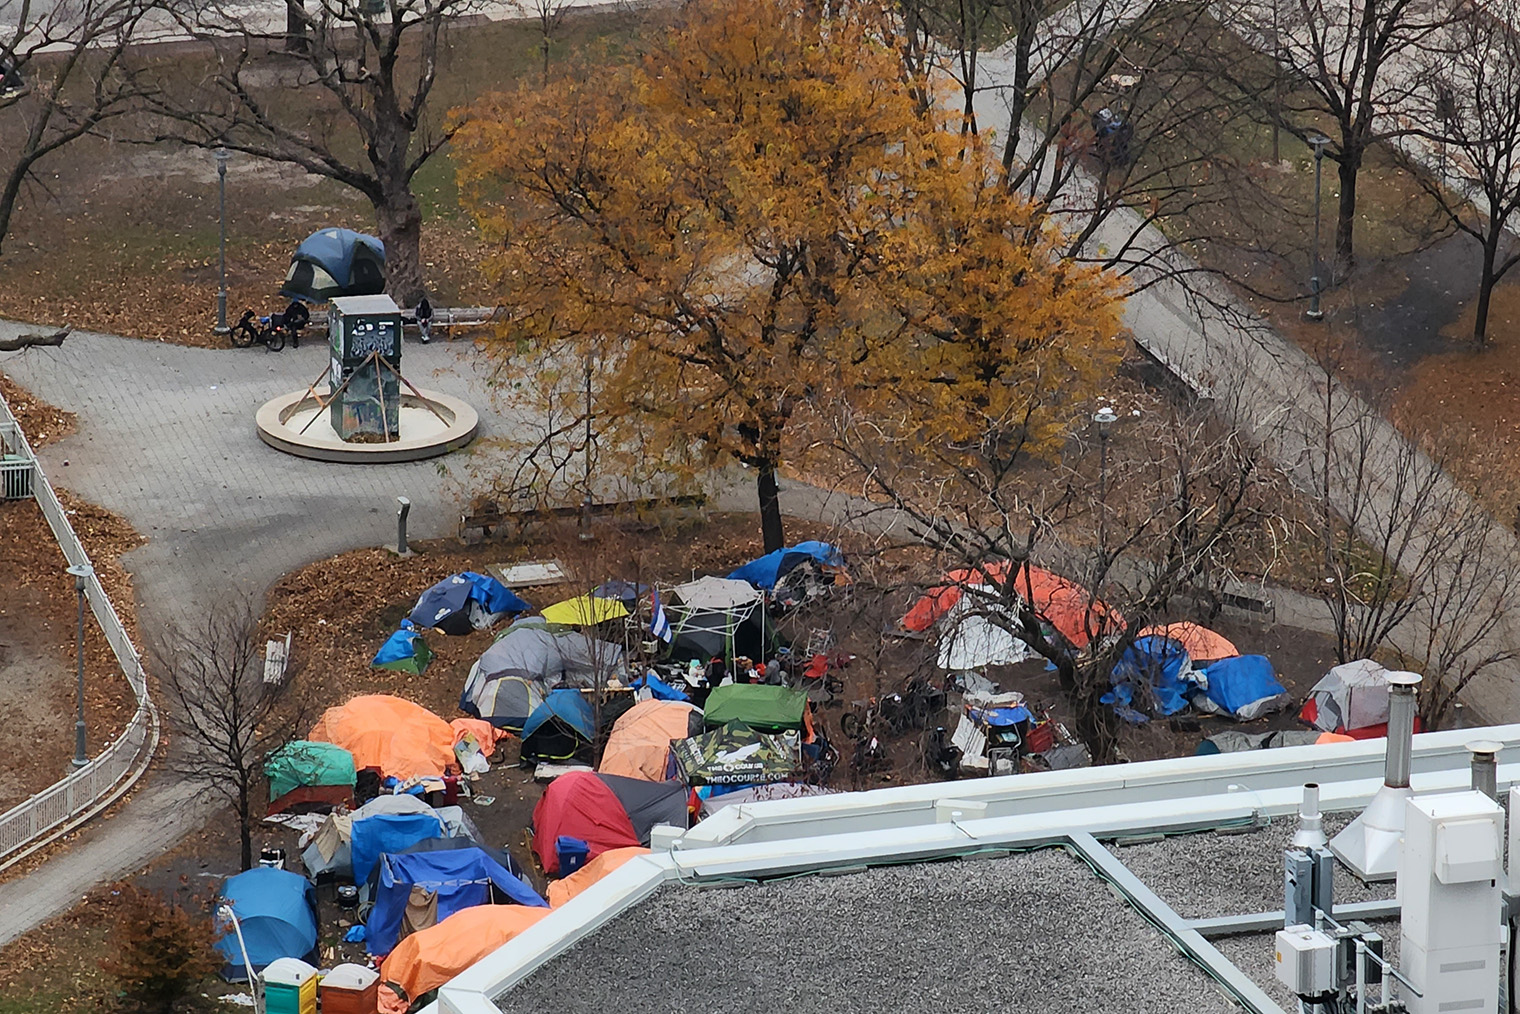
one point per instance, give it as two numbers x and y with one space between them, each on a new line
604 811
1063 604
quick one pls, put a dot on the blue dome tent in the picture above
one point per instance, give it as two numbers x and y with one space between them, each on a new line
275 911
335 262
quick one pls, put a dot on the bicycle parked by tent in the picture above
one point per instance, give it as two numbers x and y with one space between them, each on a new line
271 332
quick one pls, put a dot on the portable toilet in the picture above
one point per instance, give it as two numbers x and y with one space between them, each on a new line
350 989
290 987
364 336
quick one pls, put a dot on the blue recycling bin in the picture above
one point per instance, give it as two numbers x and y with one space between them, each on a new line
572 854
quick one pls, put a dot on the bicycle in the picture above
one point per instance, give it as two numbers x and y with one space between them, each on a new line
247 332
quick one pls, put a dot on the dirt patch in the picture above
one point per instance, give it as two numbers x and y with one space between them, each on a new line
42 423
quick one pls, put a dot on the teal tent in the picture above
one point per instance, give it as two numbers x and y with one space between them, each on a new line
303 771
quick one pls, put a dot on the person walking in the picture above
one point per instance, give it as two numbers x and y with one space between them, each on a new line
424 313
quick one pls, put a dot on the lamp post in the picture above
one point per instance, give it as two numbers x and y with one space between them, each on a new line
226 913
1318 142
81 574
1104 419
221 200
586 535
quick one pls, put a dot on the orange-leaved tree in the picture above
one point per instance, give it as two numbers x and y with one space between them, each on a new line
757 217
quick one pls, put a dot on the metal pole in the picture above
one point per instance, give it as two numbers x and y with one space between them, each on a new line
586 535
403 507
221 197
1318 141
1103 419
81 576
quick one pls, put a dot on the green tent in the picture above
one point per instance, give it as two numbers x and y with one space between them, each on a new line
304 764
734 755
757 705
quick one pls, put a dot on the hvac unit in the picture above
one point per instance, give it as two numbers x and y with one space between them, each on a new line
1305 960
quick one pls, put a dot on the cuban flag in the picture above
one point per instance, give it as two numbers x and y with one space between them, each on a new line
659 626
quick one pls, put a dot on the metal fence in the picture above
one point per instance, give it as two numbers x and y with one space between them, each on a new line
81 794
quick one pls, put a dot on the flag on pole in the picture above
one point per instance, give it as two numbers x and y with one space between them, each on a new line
659 626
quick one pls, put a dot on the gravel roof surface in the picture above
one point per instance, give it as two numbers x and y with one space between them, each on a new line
1211 874
1252 954
1032 932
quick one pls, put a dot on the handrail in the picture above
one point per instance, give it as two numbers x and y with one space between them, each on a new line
82 794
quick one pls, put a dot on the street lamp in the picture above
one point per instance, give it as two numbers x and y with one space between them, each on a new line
81 574
1317 142
1104 419
226 914
221 199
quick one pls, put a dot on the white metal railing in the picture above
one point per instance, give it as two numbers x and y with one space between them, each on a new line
81 794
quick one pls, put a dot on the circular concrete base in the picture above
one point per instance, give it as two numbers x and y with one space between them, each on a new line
280 420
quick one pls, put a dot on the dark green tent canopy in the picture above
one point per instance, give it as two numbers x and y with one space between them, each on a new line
734 755
757 705
302 763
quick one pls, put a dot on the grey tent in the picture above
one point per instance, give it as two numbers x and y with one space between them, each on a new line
530 658
330 850
649 803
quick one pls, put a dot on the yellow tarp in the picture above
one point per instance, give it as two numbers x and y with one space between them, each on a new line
584 610
561 891
429 958
398 737
639 744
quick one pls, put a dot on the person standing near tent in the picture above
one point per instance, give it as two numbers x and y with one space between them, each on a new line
424 313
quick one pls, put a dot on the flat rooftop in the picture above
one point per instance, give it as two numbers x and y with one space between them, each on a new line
1036 931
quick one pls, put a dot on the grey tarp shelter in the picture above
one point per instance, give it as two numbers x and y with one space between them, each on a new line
530 658
718 617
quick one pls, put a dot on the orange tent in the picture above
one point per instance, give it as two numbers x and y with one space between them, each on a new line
561 891
398 737
428 958
1201 643
639 745
1063 604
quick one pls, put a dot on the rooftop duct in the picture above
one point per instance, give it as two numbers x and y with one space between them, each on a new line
1370 844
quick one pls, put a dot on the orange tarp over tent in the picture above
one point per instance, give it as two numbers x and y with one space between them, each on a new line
1201 643
1063 604
561 891
639 745
428 958
400 738
484 732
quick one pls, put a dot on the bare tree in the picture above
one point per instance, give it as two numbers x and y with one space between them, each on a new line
1151 524
375 62
550 15
1412 565
228 720
1353 63
61 76
1470 101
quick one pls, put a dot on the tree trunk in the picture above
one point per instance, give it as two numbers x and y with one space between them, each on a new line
245 825
295 26
1345 222
1486 282
770 510
1095 725
545 46
399 221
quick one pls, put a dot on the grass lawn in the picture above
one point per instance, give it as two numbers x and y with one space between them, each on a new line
124 238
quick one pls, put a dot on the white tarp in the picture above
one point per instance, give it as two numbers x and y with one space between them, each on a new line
1353 695
975 642
715 593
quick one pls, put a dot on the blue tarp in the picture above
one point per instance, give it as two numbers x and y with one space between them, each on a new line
495 596
446 604
461 878
401 651
1245 686
276 913
389 832
658 688
772 567
1157 664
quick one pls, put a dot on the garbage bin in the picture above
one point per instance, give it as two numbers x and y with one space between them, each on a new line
572 854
